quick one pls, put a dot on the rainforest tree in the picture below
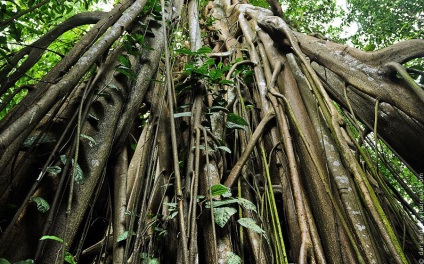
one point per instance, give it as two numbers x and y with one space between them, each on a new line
211 132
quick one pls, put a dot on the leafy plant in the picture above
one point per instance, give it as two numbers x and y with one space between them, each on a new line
148 258
236 122
54 170
125 67
69 258
223 213
173 210
233 258
91 140
250 224
42 205
124 236
78 173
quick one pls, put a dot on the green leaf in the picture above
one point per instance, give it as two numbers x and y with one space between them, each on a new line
185 51
209 62
172 215
217 108
63 159
220 189
235 121
92 141
112 86
246 204
248 77
124 236
78 173
215 74
250 224
172 206
150 260
4 261
44 139
55 238
223 214
201 71
370 47
203 148
221 202
224 148
231 117
232 258
177 115
54 170
226 82
189 67
126 71
42 205
204 50
69 258
124 61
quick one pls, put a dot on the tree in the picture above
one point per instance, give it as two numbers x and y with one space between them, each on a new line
224 135
377 29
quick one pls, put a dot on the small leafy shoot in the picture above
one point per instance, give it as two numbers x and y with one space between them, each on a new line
223 214
226 82
185 51
250 224
44 139
148 259
172 210
221 203
54 170
112 86
124 61
177 115
42 205
204 50
126 71
78 173
236 122
91 140
69 258
246 204
220 189
55 238
224 148
124 236
232 258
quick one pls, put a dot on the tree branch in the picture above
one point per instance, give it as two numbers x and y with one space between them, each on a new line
235 172
36 49
7 21
400 52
